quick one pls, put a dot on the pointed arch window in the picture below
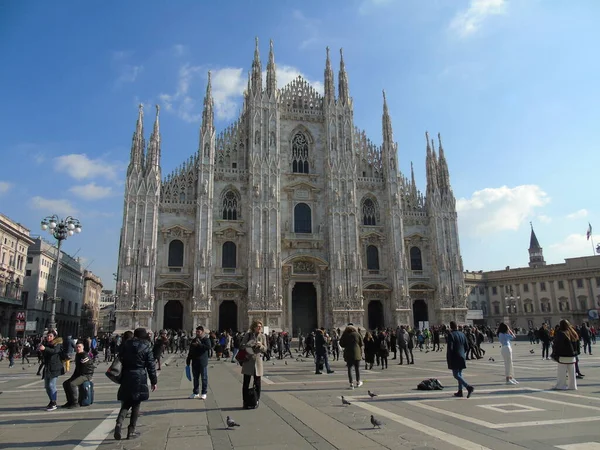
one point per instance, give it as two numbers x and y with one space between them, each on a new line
230 206
229 257
369 211
302 218
372 258
176 253
416 262
299 153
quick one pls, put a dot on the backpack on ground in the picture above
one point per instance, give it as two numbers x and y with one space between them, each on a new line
431 384
251 399
86 393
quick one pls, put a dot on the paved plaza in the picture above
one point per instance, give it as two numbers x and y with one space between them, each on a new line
301 410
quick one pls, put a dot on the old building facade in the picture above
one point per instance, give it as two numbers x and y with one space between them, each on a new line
526 297
14 243
291 215
39 284
90 311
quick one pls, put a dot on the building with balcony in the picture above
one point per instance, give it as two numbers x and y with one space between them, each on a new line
526 297
39 282
14 244
90 312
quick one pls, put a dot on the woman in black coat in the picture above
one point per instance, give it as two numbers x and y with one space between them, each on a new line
138 363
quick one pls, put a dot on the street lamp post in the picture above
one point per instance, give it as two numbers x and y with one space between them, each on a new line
511 307
61 229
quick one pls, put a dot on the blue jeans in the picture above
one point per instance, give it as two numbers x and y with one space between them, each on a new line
198 370
325 361
235 352
461 381
50 385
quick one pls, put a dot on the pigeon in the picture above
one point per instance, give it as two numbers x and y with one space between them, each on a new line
231 423
273 363
345 402
492 359
531 351
166 364
375 422
297 359
285 363
301 360
23 367
371 394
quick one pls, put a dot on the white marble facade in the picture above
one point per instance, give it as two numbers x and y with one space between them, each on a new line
290 215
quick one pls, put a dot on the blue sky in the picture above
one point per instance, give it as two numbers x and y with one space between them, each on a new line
512 85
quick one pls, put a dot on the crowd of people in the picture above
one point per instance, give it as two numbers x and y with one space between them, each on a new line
140 353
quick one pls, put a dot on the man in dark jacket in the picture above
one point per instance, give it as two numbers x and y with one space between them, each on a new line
321 351
457 348
53 366
138 364
84 370
198 356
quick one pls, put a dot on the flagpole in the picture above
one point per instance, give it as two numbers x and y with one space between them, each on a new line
593 247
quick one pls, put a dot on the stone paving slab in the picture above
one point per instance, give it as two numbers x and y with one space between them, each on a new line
301 410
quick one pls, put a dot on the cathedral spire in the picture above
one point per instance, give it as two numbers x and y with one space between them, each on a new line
329 83
413 184
136 159
343 90
256 72
271 75
444 174
431 166
208 111
536 253
386 123
153 157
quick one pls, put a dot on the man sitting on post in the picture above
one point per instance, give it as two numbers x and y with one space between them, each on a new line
84 370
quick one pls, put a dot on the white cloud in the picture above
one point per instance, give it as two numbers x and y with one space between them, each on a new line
5 186
91 191
366 6
53 206
80 167
572 246
228 85
310 29
467 22
497 209
544 218
127 72
581 214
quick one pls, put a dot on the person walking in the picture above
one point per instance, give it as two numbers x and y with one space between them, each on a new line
586 336
505 336
370 347
544 336
84 370
138 364
351 342
321 352
383 350
402 338
255 344
53 366
456 349
564 354
198 357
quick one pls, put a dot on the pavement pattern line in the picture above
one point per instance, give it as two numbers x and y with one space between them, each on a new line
430 431
54 413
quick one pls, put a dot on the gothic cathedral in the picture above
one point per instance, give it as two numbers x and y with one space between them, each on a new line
290 215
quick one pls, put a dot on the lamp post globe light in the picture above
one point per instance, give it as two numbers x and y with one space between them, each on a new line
60 229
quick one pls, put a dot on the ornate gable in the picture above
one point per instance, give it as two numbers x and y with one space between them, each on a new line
176 232
300 98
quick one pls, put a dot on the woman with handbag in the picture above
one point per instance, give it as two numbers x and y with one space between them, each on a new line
565 355
253 344
138 363
505 336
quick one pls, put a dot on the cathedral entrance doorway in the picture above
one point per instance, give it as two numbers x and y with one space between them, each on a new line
173 315
304 308
228 316
375 311
420 313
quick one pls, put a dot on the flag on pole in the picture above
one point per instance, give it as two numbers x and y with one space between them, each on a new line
589 231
